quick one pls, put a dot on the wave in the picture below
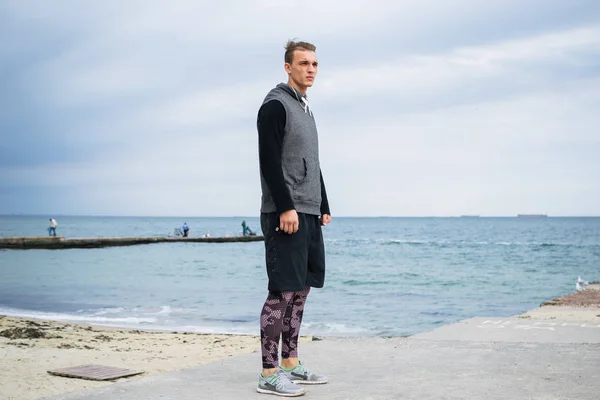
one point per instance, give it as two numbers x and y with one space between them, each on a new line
357 282
411 241
103 318
110 316
146 311
434 242
196 324
437 313
333 329
161 318
111 310
99 320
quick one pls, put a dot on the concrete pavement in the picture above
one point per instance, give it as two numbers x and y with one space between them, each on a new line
480 358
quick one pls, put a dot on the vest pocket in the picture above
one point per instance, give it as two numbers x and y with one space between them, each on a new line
308 182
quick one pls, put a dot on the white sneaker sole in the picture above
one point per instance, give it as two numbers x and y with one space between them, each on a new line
300 382
266 391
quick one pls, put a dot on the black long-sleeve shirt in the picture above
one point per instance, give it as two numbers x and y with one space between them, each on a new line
271 131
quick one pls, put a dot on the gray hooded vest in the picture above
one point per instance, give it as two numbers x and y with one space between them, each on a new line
299 154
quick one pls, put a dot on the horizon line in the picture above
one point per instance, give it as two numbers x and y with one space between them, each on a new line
463 216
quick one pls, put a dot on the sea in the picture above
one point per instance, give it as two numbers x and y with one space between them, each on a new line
385 276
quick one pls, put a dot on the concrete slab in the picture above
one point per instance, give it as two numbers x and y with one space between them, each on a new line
394 368
564 313
523 330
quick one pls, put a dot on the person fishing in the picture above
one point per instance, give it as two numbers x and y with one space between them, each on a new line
246 229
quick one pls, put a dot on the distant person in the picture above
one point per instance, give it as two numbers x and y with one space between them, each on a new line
246 229
186 229
294 207
52 227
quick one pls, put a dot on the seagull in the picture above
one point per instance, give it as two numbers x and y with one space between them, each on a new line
581 284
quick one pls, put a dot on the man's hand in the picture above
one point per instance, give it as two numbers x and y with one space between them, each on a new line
288 221
325 219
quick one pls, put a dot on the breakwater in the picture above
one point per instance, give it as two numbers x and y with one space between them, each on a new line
59 242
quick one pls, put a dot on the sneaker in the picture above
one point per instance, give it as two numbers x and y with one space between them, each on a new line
279 384
301 374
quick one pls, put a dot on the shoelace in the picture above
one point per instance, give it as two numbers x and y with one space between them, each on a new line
281 380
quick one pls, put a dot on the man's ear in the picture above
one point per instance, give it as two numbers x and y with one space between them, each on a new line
288 68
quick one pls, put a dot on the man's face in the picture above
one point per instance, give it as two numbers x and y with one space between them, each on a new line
303 69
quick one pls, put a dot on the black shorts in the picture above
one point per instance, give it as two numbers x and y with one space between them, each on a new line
295 260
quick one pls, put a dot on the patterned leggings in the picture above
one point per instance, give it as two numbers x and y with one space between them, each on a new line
281 316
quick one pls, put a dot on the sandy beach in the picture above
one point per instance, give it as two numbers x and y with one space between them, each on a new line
29 348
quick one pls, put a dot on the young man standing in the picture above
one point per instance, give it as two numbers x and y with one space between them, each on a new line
294 207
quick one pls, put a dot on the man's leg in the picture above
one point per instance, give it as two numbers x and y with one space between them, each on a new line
291 329
284 261
273 380
271 327
296 370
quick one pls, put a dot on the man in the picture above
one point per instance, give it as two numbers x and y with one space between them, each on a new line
246 229
294 206
52 227
186 229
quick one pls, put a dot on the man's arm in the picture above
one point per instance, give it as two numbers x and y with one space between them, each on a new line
324 201
271 131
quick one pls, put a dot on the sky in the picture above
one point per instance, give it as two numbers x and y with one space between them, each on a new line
424 108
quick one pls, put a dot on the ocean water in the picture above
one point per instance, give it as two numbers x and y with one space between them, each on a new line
385 276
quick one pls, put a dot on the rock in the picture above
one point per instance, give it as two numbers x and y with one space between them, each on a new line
584 298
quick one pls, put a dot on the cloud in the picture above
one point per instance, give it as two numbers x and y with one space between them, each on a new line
496 158
470 73
140 108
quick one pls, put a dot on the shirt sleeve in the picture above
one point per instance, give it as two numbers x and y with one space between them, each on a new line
271 132
324 201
